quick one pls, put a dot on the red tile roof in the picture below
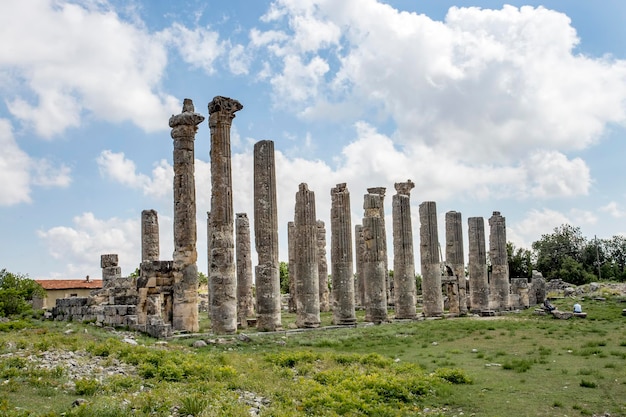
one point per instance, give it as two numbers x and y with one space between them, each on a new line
69 284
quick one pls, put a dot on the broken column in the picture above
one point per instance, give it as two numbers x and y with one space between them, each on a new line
222 273
149 235
455 261
245 295
359 285
374 259
266 238
322 266
291 247
110 269
185 268
430 260
403 257
499 280
478 279
341 256
307 272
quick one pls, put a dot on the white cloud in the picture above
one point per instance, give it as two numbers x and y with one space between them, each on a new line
19 173
486 102
14 169
199 47
78 58
81 245
118 168
614 210
239 60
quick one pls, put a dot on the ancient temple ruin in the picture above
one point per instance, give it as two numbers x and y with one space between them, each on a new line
163 298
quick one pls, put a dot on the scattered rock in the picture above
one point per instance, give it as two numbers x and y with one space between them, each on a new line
129 341
562 315
199 344
78 402
244 338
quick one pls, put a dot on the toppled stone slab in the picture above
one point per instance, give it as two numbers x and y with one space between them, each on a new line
562 315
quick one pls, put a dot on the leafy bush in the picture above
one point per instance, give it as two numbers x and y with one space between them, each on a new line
87 386
453 375
16 291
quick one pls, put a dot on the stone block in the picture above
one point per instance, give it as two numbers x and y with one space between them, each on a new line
109 260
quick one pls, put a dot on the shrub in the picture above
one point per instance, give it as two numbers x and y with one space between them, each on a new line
87 386
453 375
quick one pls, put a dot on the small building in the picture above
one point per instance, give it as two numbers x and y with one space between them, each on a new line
64 288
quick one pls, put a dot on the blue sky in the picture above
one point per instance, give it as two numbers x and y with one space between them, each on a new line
486 106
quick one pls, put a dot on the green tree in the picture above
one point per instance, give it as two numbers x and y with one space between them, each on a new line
520 261
202 278
551 250
283 270
16 291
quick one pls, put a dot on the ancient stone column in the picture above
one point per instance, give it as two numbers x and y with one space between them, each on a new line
455 260
403 257
110 269
149 235
185 286
478 279
499 281
360 251
341 256
291 247
307 272
208 238
430 260
388 283
222 271
374 259
322 266
245 295
266 238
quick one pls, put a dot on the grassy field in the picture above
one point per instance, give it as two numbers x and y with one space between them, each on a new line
520 364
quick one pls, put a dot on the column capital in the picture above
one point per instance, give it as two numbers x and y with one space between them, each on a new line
404 188
222 109
185 123
377 190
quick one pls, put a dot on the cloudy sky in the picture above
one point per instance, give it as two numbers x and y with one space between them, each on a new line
517 107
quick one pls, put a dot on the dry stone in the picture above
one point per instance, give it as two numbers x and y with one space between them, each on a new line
341 256
149 235
359 290
403 257
291 242
222 271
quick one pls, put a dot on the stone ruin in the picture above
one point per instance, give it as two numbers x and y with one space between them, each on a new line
163 298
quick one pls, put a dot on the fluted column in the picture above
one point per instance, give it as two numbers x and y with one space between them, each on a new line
266 238
478 279
341 256
388 283
322 267
245 296
455 260
185 288
291 243
307 284
499 282
149 235
222 272
430 260
374 259
403 257
359 244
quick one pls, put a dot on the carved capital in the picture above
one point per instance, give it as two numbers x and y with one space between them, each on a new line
188 118
221 104
377 190
404 188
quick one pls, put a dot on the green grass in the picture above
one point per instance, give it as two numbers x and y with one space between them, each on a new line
519 364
